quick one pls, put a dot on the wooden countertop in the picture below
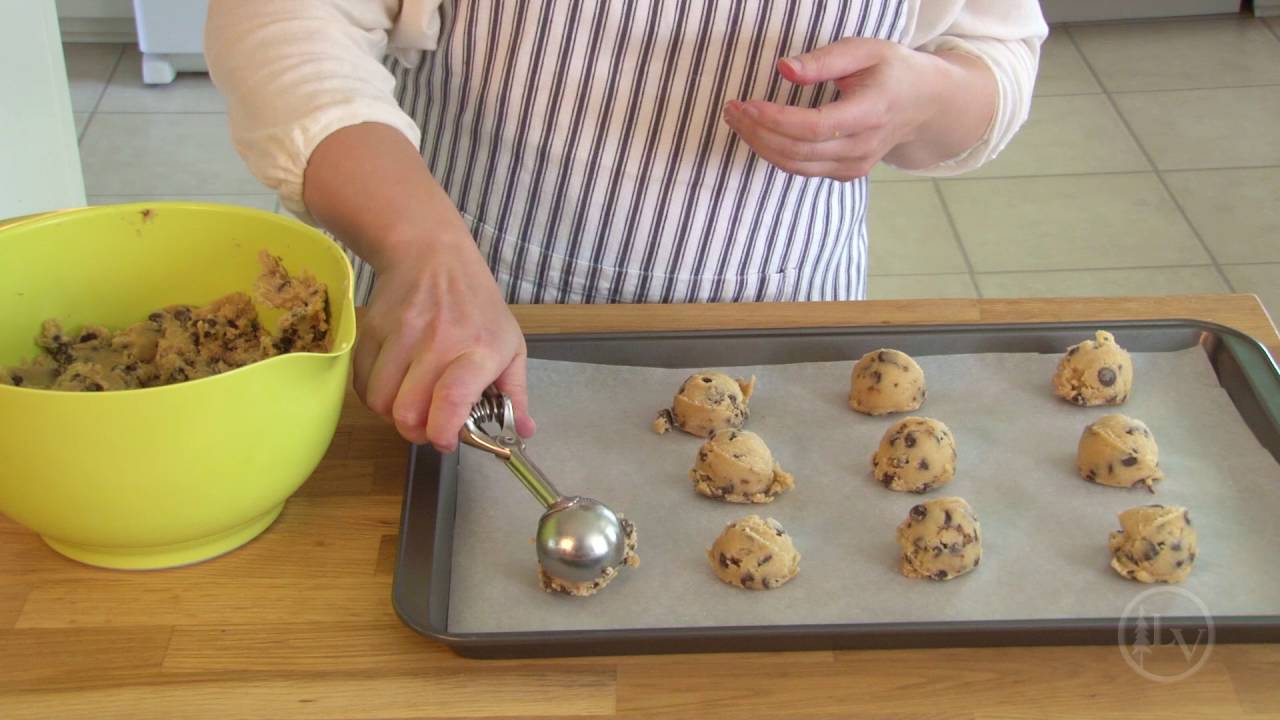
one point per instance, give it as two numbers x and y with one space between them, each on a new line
298 624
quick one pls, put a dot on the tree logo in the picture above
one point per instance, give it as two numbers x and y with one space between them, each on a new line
1164 647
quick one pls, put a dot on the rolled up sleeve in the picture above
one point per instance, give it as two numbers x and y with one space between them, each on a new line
294 72
1006 35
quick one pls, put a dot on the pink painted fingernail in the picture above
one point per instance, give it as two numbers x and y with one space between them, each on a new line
750 111
795 65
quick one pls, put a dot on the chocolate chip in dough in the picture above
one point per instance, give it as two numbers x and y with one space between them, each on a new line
1107 376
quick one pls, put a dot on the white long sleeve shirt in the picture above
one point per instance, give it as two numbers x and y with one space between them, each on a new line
294 72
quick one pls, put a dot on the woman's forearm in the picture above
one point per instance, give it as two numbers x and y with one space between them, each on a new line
368 185
965 95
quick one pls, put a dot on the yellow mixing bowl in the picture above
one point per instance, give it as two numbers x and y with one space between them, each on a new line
171 475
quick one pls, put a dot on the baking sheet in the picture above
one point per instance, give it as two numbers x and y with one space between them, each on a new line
1044 529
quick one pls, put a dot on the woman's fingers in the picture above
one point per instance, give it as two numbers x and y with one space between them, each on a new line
513 383
802 124
413 400
459 387
366 353
841 159
385 376
763 139
842 139
845 117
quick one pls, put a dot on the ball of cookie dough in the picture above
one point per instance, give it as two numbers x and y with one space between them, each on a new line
1155 544
1095 372
754 553
916 455
940 540
1119 451
706 402
886 381
736 465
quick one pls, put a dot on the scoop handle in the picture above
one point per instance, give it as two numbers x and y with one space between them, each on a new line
530 475
495 408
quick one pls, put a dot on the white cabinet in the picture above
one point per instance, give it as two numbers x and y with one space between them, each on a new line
168 32
39 159
171 37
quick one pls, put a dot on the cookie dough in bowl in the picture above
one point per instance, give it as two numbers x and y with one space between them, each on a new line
916 454
179 343
706 402
171 474
886 381
940 540
1155 544
1119 451
1095 372
754 553
736 466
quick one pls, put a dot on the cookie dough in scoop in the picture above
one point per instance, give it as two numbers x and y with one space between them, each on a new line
550 583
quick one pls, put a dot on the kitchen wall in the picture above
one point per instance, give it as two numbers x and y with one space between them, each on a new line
96 20
1085 10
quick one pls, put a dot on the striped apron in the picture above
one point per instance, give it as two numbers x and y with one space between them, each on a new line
583 142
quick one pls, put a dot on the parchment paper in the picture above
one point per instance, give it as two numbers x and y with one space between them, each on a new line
1044 529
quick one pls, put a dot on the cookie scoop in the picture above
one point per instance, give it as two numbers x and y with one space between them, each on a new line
581 543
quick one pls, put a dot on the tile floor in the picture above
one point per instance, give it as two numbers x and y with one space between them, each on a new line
1150 165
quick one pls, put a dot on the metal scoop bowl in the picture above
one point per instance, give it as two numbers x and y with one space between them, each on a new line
579 539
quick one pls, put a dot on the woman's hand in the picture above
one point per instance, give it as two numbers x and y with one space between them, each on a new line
435 334
436 331
915 108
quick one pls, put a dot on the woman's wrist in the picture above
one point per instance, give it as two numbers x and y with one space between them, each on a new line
959 95
420 238
368 185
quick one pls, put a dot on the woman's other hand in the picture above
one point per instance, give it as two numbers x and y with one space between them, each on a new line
914 108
